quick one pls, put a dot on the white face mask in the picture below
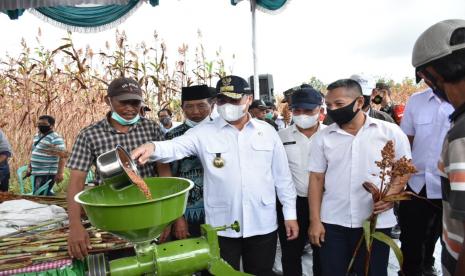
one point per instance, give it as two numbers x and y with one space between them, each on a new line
305 121
230 112
193 124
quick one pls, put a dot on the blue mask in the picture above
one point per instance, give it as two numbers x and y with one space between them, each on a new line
115 116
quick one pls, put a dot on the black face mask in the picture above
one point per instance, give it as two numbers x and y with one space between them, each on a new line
441 94
344 114
377 99
366 101
44 129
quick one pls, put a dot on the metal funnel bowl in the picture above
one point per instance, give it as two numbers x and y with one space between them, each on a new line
129 215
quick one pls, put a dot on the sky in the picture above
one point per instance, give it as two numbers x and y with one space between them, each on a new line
328 39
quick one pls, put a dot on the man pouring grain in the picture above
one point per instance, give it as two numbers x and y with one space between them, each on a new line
122 126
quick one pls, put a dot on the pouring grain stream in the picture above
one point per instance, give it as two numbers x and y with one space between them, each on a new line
137 180
125 161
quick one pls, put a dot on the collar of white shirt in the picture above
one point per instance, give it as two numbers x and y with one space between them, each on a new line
294 128
431 96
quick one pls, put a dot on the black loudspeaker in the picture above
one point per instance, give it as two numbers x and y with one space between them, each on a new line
266 87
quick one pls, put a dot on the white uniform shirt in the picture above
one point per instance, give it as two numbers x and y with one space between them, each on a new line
255 169
426 117
297 147
348 161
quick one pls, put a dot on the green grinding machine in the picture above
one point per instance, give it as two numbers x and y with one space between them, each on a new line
127 214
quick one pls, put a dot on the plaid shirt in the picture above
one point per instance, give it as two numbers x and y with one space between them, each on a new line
39 268
101 137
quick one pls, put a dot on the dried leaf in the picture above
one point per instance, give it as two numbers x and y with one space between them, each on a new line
373 190
397 197
61 48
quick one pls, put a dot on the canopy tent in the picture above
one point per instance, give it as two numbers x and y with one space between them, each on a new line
5 5
30 4
76 15
99 15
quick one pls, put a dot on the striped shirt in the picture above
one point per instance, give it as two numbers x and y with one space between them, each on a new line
452 167
41 162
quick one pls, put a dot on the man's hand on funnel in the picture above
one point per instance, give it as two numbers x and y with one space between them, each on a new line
292 229
142 154
78 242
165 234
181 229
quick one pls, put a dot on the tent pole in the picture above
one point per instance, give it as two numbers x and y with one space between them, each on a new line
256 83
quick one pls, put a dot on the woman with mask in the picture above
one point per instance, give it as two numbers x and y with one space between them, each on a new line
122 126
342 158
297 140
245 165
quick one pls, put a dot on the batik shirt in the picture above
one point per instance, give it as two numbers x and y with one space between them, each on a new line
190 168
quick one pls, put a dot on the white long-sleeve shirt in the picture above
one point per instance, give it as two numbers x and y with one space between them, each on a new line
255 169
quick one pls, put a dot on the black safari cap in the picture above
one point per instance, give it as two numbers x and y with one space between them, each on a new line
197 92
258 104
233 87
307 98
123 89
288 93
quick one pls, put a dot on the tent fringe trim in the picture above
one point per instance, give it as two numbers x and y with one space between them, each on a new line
81 29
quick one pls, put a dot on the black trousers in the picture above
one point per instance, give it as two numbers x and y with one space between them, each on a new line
4 180
293 250
257 252
421 227
194 228
40 180
338 248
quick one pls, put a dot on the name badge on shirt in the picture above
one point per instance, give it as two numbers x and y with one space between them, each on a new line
289 143
218 161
